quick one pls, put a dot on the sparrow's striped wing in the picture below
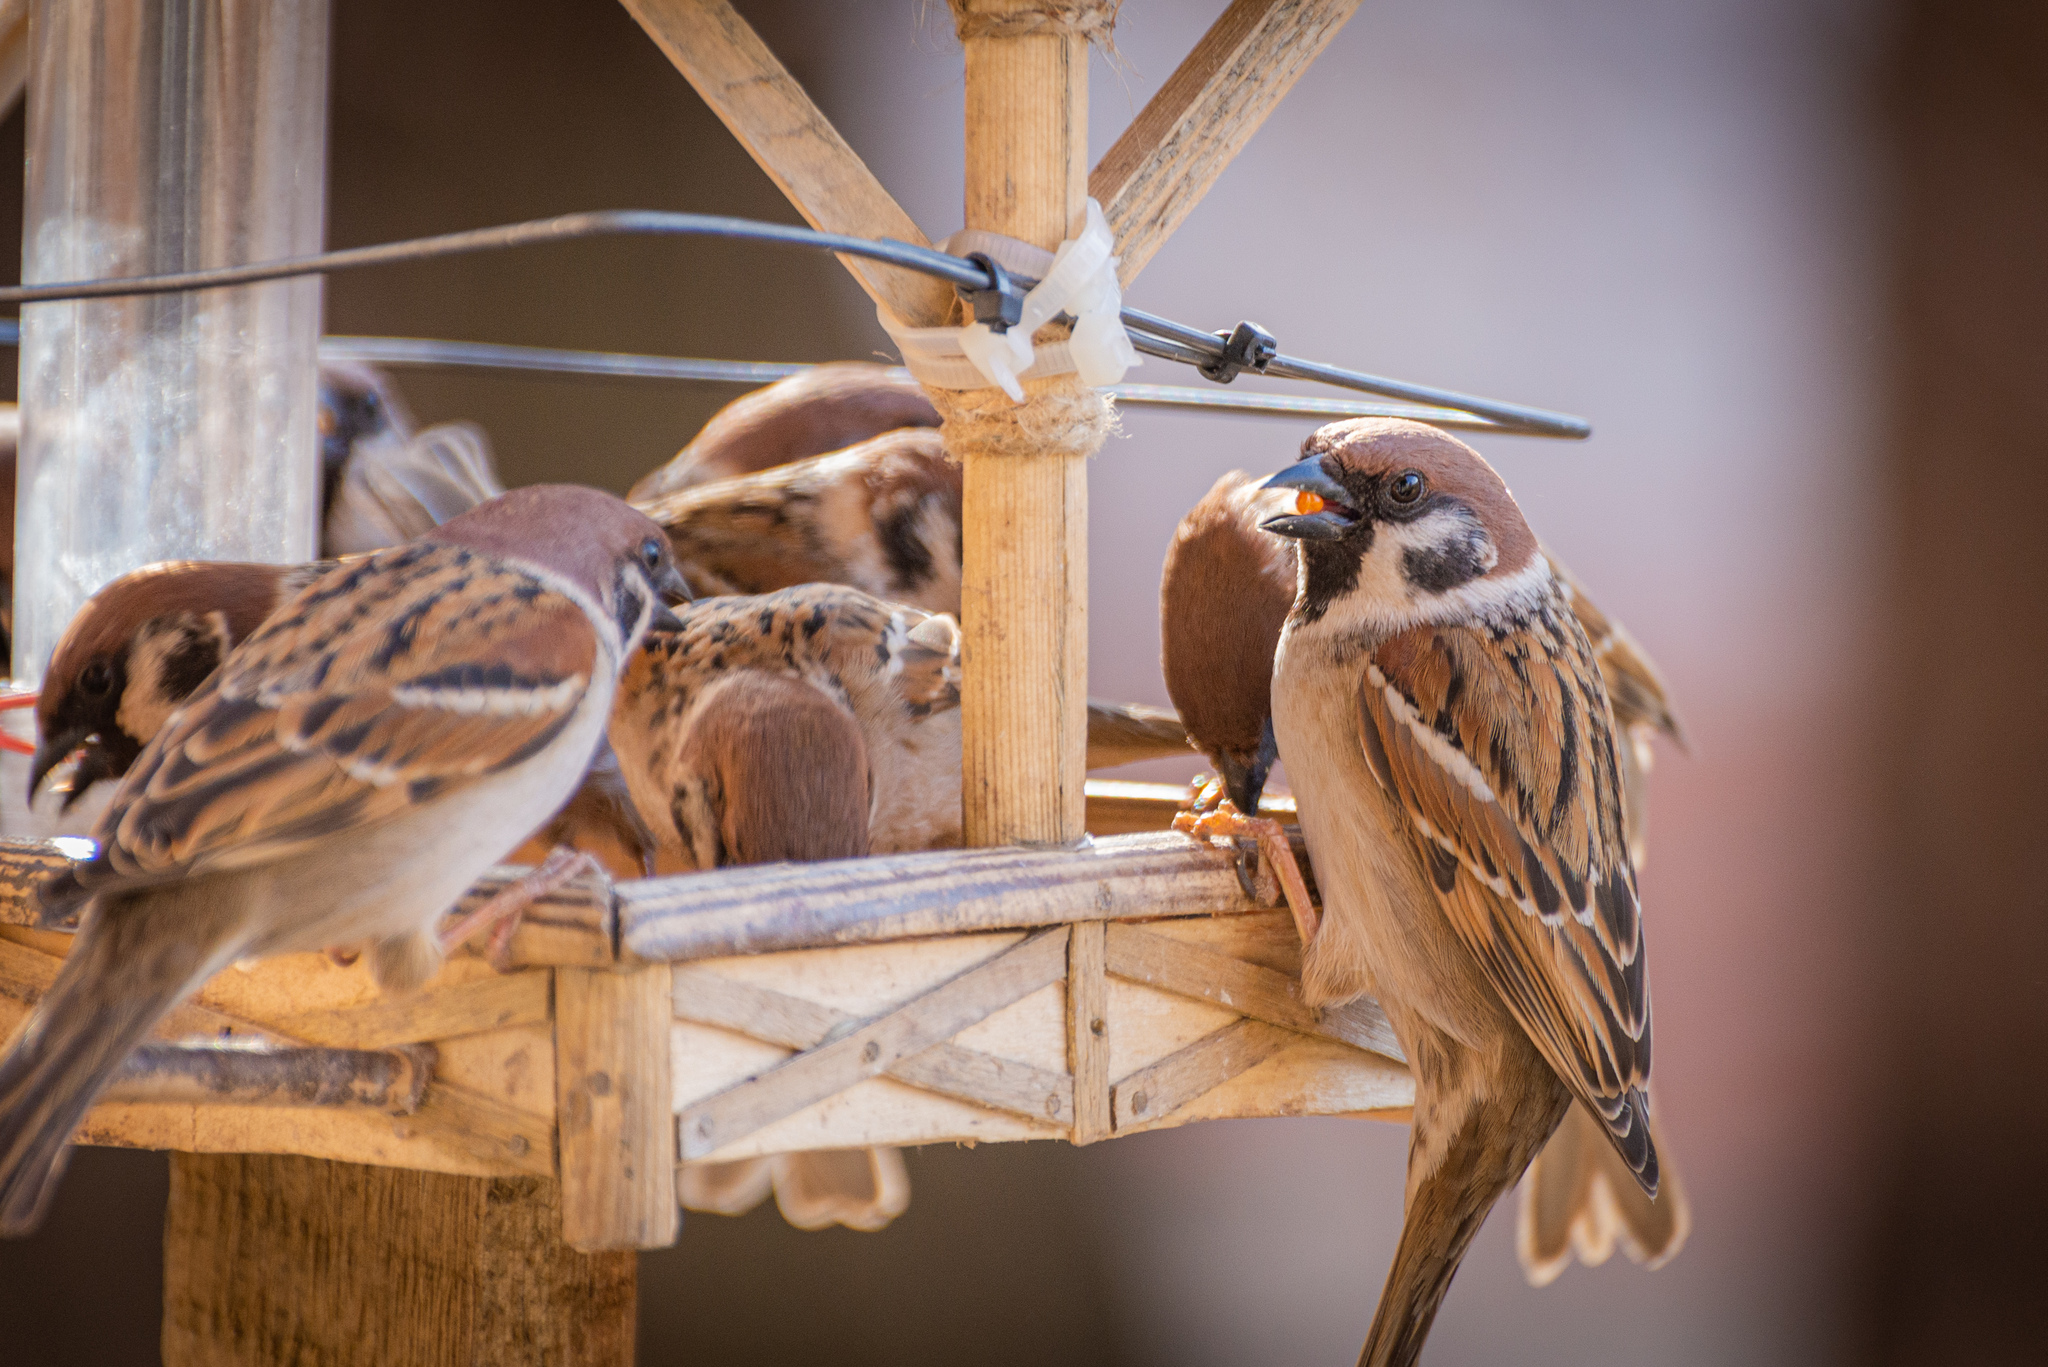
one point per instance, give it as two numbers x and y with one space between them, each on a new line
1501 750
386 682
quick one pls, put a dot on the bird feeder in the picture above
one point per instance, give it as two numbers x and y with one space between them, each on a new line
465 1171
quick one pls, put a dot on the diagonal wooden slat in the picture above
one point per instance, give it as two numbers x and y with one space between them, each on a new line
1158 1090
876 1047
754 95
709 998
1191 971
1202 117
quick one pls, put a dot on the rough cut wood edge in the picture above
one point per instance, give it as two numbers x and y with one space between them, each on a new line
1088 1033
706 997
376 1268
612 1083
1201 118
928 1019
391 1080
756 98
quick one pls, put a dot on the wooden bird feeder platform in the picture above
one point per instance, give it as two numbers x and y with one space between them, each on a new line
1045 984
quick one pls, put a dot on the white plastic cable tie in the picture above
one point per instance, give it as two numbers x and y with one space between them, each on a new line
1079 279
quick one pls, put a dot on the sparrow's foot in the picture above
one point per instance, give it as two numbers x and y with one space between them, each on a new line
501 914
1223 820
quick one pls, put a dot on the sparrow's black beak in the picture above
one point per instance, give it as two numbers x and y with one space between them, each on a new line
53 751
673 588
1327 525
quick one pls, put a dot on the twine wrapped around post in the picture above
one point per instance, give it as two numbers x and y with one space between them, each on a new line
1060 416
1094 20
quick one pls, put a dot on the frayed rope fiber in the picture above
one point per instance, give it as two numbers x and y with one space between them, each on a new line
1094 20
1060 416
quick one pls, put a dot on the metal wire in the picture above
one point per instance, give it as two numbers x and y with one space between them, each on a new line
1151 334
423 351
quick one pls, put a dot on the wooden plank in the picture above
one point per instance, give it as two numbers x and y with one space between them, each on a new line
1248 989
754 95
767 907
571 926
1159 1090
1088 1033
874 1048
283 1259
1202 117
708 997
444 1012
612 1081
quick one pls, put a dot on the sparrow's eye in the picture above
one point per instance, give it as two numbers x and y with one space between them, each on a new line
96 679
650 553
1405 488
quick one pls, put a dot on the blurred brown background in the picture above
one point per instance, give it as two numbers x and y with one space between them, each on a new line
1792 260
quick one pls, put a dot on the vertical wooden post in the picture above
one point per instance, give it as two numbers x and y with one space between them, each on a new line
613 1093
1088 1030
272 1259
1024 595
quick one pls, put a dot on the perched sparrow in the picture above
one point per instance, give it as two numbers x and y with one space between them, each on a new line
825 408
1224 596
889 674
1451 748
143 644
342 777
883 516
814 723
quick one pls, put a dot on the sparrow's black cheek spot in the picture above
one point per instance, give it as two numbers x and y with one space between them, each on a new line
1446 565
908 557
187 663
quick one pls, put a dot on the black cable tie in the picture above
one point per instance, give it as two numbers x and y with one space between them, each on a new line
1001 302
1245 347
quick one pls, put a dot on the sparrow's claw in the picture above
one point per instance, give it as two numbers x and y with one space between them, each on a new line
1225 821
502 913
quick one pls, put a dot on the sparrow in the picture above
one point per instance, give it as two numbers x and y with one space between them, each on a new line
889 671
882 516
382 483
144 643
342 777
1224 597
1451 747
813 723
823 409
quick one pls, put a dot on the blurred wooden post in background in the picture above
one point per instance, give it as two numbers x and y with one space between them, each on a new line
279 1259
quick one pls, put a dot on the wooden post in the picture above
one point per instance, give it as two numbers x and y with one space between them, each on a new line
271 1259
1024 596
613 1087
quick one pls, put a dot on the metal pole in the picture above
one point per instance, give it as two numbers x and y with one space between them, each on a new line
167 136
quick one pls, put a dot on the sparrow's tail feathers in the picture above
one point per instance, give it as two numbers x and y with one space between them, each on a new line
114 987
862 1189
1484 1155
1580 1198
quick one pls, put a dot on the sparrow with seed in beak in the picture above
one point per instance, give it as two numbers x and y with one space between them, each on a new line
1450 743
815 411
342 777
1224 597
